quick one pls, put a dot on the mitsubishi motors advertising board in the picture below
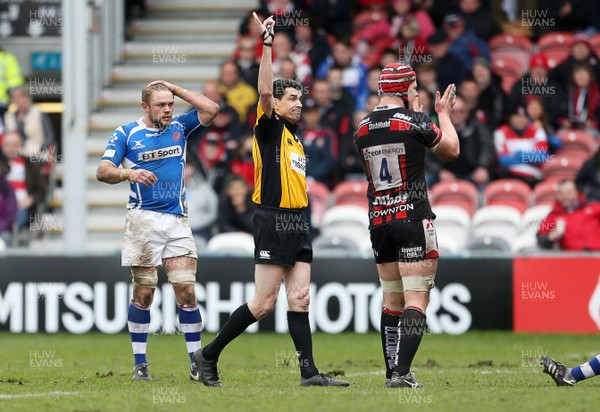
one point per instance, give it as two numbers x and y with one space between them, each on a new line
79 295
556 294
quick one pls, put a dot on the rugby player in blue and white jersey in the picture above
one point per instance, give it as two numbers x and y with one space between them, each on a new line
152 151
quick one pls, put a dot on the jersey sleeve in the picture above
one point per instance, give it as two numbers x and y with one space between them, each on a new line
430 131
263 129
190 123
116 148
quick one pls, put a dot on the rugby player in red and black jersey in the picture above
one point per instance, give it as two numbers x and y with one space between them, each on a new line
392 141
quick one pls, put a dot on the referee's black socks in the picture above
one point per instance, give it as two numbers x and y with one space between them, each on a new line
299 328
412 328
237 323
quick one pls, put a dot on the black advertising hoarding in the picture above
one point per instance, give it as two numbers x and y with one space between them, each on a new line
78 295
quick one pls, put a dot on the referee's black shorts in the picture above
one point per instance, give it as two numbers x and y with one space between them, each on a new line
405 241
281 237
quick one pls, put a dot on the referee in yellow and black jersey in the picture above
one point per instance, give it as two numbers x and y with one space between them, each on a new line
283 249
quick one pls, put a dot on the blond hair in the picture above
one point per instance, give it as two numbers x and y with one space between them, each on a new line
147 91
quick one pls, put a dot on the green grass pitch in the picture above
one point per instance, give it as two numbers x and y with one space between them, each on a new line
477 371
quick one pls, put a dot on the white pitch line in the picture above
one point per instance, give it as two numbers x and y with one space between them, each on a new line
30 395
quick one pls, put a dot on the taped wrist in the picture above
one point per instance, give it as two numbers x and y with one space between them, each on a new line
267 36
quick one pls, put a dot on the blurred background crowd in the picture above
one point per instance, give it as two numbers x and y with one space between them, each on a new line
527 109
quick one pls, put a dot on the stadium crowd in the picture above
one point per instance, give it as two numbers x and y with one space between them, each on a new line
527 107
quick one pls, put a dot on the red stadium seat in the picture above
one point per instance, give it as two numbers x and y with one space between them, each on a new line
544 193
555 40
353 192
519 57
556 57
577 141
508 192
460 193
556 46
512 46
509 69
562 167
595 43
510 41
320 200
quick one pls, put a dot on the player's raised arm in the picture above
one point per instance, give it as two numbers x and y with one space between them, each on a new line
207 109
448 149
265 72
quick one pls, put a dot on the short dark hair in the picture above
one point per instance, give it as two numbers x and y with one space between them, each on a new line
280 86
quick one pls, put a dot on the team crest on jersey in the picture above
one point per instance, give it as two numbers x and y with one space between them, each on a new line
176 136
138 145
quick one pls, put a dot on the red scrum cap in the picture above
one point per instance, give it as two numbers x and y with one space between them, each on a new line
395 79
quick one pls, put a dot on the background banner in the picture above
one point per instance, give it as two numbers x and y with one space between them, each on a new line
557 294
78 295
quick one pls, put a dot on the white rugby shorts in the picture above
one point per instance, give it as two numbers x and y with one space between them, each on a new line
151 237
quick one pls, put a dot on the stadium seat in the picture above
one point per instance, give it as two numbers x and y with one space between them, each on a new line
555 57
352 192
533 216
512 46
520 57
595 42
452 223
320 200
488 245
498 221
508 192
562 166
526 244
556 46
544 193
506 41
335 244
460 193
555 40
348 221
447 246
509 69
233 243
577 141
366 248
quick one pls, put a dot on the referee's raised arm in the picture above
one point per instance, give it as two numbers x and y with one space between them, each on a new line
265 72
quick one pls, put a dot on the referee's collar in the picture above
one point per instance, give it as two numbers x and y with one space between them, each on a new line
292 127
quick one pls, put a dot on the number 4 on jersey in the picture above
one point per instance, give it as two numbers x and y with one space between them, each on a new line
384 172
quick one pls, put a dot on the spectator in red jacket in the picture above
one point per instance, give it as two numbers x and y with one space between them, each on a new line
573 224
521 148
